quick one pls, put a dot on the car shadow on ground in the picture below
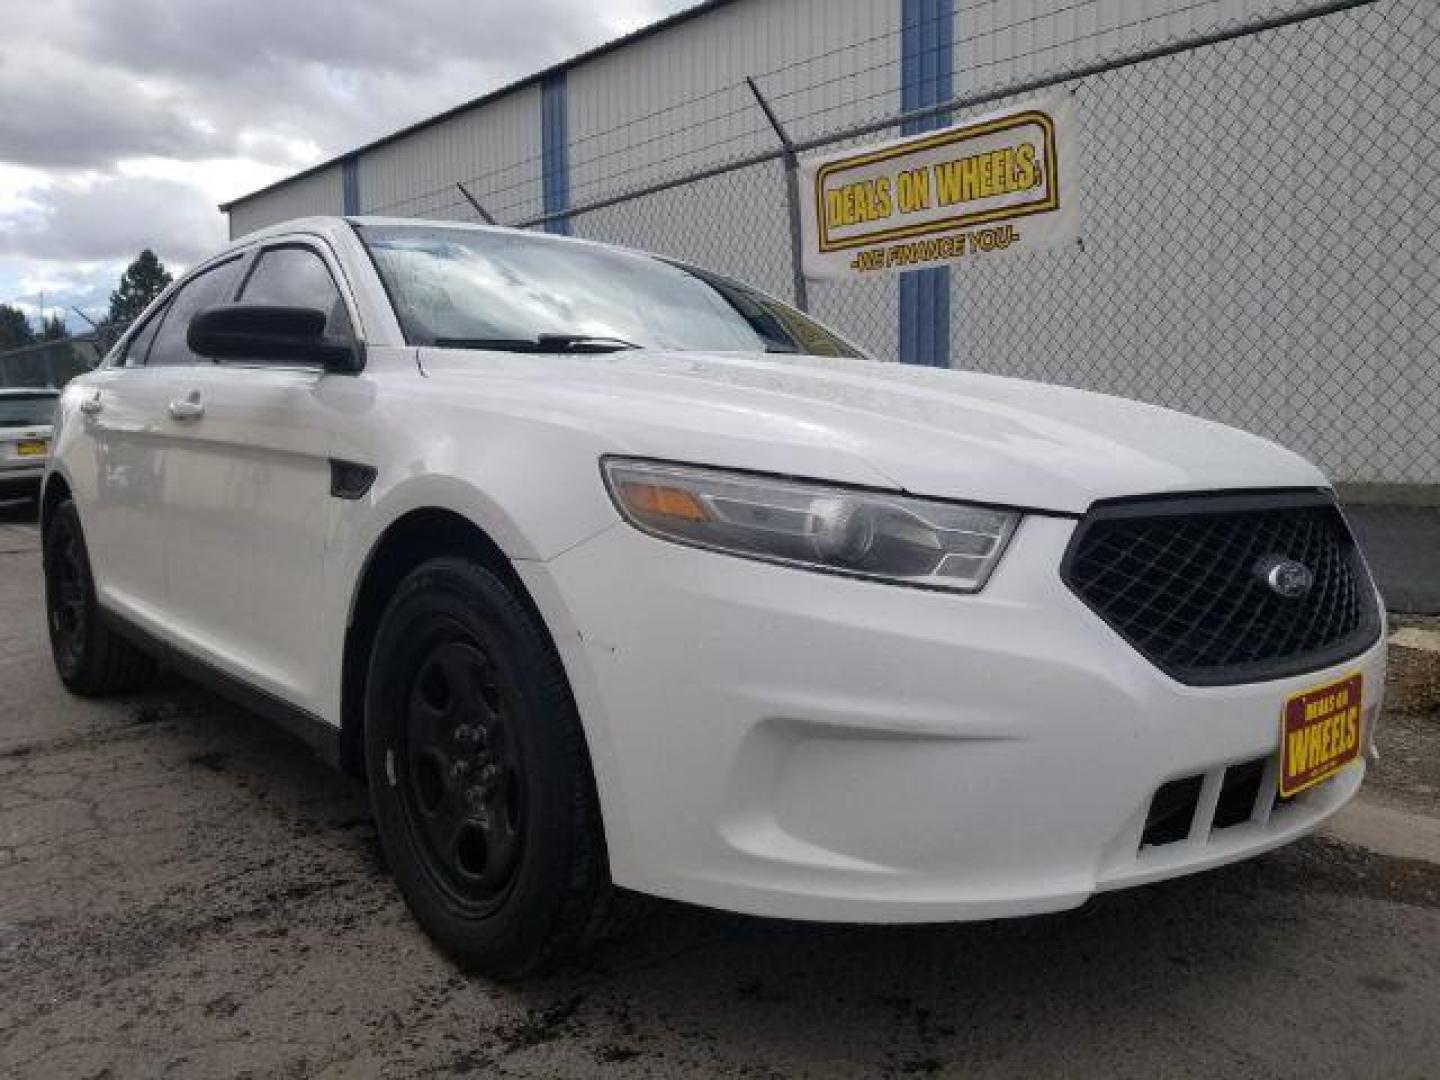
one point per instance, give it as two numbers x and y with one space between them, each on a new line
1223 948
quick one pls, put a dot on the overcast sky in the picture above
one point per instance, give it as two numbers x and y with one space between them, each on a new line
124 122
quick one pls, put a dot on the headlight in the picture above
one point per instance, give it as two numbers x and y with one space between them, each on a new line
862 533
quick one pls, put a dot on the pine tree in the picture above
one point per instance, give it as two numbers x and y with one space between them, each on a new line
15 328
54 329
143 280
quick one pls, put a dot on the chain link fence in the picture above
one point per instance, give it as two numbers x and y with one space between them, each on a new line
1260 231
1261 219
55 363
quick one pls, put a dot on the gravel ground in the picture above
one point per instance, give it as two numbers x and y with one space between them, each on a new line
185 891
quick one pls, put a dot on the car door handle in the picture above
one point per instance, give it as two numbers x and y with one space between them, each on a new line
190 407
92 405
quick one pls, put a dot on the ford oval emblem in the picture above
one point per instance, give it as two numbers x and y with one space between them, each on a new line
1286 578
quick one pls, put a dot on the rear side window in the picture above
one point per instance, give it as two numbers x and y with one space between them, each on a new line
26 410
205 289
298 277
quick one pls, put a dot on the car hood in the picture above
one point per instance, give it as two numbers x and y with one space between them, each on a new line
927 431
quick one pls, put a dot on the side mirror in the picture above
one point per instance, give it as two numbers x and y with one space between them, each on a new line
265 333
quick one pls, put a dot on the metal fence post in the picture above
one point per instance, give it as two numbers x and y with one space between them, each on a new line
792 197
485 215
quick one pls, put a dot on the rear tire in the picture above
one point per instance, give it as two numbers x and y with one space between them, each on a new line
479 775
90 658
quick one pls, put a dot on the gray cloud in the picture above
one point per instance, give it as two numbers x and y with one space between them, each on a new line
223 89
101 81
209 36
113 218
60 113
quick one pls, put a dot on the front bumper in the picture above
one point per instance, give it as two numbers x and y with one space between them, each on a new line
795 744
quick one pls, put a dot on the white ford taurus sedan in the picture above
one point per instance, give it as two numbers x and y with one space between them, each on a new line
606 571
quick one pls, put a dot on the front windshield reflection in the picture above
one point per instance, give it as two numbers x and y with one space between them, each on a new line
473 285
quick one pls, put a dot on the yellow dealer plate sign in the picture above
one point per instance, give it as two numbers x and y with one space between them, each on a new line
998 183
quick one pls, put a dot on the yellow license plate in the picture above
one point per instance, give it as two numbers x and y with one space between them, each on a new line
32 448
1319 734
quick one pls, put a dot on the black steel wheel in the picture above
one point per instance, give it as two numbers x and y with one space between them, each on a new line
89 656
68 588
479 775
465 800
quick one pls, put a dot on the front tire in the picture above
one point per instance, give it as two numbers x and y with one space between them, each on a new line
90 658
479 776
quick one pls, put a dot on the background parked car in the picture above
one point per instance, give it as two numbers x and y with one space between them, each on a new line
26 418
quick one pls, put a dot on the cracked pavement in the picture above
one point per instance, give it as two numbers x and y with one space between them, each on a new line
185 891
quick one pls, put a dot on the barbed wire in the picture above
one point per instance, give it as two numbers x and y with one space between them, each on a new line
745 107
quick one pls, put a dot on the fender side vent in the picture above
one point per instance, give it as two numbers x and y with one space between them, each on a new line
349 480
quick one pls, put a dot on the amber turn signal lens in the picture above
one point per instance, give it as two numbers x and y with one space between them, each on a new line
663 501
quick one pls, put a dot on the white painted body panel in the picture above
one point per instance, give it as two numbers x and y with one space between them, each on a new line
926 431
246 518
798 745
764 738
118 480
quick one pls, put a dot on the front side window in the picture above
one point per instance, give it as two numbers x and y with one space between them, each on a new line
298 277
205 289
467 287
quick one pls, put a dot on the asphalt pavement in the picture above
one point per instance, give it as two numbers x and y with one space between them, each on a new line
185 891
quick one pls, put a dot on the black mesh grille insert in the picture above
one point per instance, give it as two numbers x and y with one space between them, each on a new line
1183 581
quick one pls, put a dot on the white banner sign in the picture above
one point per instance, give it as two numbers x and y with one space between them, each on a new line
999 183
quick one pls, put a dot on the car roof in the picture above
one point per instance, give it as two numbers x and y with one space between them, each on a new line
329 225
28 391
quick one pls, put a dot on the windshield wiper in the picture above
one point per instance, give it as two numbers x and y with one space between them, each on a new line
542 343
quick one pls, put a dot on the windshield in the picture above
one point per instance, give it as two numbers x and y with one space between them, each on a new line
477 289
27 410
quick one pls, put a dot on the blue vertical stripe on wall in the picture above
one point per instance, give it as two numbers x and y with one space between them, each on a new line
350 184
555 151
926 78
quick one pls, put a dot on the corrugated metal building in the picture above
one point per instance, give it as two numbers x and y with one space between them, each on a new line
1210 277
670 97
